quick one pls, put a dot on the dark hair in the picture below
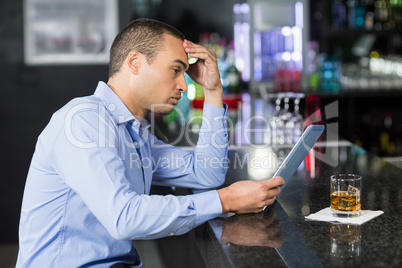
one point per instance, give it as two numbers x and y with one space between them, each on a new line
143 35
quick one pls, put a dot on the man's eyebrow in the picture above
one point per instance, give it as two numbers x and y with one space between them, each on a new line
182 63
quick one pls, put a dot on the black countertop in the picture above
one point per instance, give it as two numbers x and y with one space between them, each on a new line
283 237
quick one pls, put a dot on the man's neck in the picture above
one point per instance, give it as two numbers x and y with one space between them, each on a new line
121 90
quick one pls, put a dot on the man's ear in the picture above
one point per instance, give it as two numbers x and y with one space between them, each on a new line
133 62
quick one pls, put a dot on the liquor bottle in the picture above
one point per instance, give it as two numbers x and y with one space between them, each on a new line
313 65
387 144
380 14
232 74
356 14
196 96
279 75
394 6
338 14
369 19
390 24
351 13
397 12
360 14
296 79
330 72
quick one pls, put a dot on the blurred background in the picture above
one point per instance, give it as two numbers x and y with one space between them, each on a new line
280 61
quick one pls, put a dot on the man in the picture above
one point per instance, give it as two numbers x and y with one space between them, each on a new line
86 196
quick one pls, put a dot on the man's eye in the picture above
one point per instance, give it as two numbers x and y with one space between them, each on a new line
176 71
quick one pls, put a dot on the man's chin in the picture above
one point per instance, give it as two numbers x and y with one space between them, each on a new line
165 110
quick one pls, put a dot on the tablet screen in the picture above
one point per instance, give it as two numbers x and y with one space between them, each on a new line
299 152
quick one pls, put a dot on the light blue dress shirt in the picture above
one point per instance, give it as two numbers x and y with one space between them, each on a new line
87 190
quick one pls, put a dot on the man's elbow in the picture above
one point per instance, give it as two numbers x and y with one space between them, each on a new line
218 181
124 228
125 234
120 234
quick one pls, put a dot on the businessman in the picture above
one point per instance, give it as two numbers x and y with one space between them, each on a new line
87 196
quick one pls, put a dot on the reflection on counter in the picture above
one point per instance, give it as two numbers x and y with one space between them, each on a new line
252 230
345 241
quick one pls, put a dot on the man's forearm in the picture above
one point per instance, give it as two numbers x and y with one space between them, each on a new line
214 98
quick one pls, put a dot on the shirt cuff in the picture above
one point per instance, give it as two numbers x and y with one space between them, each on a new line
217 116
207 206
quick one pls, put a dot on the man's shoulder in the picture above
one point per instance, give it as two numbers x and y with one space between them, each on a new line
88 106
79 105
91 102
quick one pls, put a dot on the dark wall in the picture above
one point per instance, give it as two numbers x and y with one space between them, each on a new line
30 95
196 16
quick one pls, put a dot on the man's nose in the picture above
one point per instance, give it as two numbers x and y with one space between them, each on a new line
182 84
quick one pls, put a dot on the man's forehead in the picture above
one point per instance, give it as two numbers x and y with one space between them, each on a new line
174 46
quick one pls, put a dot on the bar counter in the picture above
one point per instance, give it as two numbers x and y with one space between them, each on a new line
284 238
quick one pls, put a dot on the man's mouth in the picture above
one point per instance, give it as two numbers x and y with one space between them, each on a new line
176 100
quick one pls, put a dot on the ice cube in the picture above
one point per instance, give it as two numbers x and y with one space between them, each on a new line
353 190
346 203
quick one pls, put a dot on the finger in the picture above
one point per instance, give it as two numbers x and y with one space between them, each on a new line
202 54
268 201
195 50
272 193
278 181
274 182
192 46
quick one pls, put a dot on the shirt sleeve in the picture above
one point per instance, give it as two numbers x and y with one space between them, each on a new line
202 168
96 174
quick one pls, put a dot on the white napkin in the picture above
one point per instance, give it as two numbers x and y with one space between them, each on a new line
326 215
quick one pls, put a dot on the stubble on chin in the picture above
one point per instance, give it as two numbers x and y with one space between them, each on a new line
162 109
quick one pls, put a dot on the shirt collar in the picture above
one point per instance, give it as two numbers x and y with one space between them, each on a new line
116 107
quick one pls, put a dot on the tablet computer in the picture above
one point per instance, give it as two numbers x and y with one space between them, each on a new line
298 153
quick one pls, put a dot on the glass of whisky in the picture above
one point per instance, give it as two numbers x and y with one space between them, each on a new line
346 195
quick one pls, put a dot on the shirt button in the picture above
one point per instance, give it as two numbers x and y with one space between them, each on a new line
135 123
135 143
216 119
171 233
